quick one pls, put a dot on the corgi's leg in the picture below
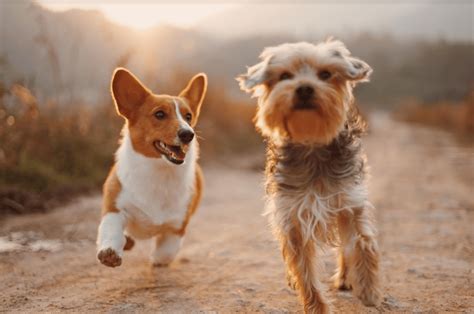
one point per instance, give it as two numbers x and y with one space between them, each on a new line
166 246
129 243
363 258
165 249
111 240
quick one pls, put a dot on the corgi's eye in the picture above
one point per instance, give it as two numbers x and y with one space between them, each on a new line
188 117
324 75
286 76
160 114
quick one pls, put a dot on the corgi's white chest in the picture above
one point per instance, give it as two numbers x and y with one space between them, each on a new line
154 191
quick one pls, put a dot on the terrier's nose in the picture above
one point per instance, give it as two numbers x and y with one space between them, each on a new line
305 92
185 135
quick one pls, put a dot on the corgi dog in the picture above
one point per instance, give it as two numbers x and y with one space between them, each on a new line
155 185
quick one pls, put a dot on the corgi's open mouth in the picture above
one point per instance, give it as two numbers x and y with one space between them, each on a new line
173 153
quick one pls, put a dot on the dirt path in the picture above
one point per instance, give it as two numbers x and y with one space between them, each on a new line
422 186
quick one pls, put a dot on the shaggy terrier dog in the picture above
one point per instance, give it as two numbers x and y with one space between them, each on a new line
316 168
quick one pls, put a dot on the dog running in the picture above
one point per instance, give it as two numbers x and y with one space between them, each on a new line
316 169
156 183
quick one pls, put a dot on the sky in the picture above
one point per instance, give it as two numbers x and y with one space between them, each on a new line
144 14
436 17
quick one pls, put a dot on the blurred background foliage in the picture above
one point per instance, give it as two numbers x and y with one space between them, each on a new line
59 129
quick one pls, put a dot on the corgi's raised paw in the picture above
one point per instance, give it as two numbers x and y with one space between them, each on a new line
109 257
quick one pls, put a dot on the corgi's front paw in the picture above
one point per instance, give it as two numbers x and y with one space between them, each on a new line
161 261
109 257
165 250
159 265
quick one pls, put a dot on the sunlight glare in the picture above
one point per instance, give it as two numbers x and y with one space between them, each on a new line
146 15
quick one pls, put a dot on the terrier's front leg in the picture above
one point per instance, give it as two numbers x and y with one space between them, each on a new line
165 249
111 240
347 234
364 260
301 261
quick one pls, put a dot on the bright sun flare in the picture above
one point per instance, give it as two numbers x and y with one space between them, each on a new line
144 15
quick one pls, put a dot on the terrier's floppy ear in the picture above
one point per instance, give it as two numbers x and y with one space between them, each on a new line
195 91
128 92
256 74
349 67
357 70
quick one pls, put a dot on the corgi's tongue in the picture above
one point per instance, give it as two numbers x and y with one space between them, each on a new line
173 153
177 152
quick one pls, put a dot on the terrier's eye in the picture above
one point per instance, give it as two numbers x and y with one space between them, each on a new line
324 75
160 114
188 117
286 76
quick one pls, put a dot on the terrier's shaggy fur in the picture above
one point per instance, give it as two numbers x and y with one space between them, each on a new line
316 169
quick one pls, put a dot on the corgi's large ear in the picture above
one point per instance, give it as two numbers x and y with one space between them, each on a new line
128 92
195 91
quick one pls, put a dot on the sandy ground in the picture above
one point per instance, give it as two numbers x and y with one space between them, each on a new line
422 186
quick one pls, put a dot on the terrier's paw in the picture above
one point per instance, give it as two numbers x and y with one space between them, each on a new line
291 281
109 257
343 286
370 297
340 282
317 308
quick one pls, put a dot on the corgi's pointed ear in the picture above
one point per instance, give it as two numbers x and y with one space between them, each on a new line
195 91
128 92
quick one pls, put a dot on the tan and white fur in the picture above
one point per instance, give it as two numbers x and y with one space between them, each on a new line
316 168
156 184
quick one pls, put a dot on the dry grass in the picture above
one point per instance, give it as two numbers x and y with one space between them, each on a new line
49 152
54 151
456 117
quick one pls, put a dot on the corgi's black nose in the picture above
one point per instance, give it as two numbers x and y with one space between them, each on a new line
185 135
